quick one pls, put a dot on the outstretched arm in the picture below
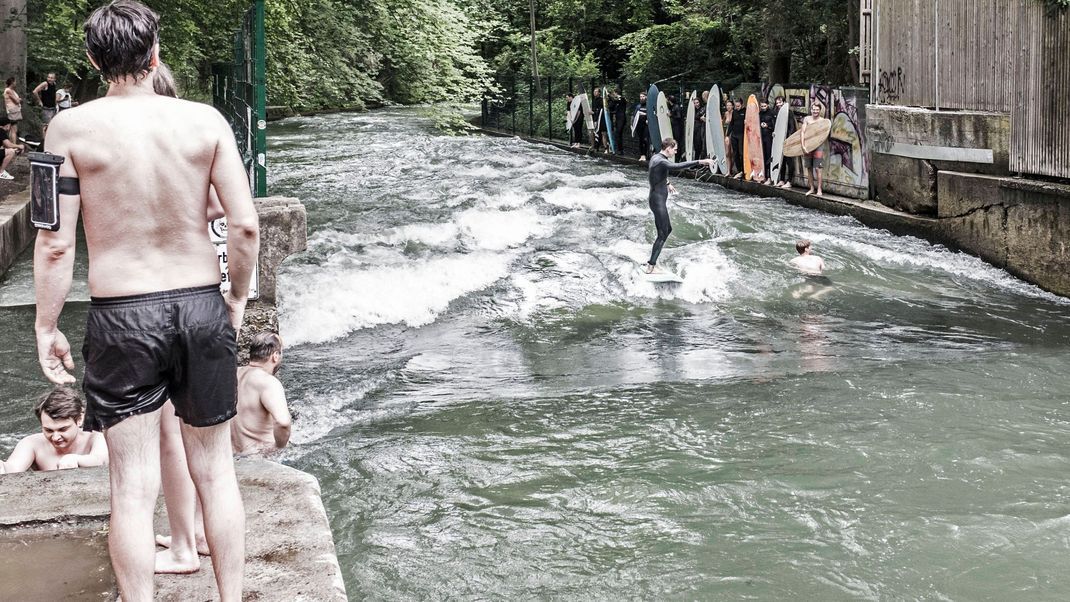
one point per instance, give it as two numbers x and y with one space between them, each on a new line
53 267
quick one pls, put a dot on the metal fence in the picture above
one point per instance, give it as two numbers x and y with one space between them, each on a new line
239 91
521 110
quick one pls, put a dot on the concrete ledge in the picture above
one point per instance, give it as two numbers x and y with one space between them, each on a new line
290 553
16 232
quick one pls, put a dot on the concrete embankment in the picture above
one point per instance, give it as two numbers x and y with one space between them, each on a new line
290 553
1017 224
16 232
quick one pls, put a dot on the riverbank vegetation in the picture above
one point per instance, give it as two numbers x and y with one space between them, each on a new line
352 54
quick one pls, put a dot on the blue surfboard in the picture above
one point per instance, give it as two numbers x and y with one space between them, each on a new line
608 121
652 117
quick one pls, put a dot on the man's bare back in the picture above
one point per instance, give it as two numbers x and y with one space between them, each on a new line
145 163
263 420
810 264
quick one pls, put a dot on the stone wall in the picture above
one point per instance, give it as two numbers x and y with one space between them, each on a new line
1020 225
910 146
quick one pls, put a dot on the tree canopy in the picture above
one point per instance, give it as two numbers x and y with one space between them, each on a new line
350 54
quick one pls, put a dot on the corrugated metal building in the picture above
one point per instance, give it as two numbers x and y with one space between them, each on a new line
1007 56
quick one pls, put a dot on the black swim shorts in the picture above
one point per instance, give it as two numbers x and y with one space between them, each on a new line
142 350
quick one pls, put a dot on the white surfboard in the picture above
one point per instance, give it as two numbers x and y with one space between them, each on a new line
715 132
689 129
660 277
585 106
635 124
663 120
573 112
776 157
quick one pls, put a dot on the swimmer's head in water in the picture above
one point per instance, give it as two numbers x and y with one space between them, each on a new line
122 39
802 246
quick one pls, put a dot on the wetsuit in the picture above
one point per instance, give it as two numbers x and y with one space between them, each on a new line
735 137
767 123
642 132
660 166
619 107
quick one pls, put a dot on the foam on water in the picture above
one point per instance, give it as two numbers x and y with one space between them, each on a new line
317 306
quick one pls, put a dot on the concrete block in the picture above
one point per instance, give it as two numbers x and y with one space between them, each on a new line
908 183
283 232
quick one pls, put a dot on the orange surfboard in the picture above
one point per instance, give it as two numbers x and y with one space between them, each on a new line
753 163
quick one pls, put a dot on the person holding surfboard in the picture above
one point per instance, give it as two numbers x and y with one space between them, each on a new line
767 121
814 160
619 109
597 107
640 128
660 166
787 167
735 136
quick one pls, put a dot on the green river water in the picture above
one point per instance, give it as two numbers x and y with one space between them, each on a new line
498 407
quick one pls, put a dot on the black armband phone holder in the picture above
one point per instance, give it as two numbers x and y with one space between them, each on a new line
45 188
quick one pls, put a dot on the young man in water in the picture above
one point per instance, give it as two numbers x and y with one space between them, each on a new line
811 265
61 443
157 327
660 166
263 421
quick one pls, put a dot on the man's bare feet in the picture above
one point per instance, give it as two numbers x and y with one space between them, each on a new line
167 564
650 268
164 541
809 192
819 193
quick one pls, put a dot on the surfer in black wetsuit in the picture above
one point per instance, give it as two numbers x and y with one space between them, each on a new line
619 107
660 166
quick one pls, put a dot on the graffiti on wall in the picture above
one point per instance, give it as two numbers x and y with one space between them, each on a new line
845 152
889 86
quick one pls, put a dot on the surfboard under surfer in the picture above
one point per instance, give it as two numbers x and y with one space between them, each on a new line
660 166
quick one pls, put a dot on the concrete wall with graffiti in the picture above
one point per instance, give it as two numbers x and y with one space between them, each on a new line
846 158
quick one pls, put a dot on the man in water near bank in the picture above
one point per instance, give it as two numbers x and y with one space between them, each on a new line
660 166
157 326
263 421
61 443
811 265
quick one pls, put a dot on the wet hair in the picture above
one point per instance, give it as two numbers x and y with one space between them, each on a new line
120 37
802 245
163 82
668 143
263 345
10 81
60 403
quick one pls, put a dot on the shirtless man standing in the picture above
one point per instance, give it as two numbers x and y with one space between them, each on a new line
61 443
263 422
809 264
157 327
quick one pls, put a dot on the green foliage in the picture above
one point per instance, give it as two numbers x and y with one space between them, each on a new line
554 59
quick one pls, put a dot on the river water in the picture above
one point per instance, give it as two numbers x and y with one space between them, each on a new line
497 406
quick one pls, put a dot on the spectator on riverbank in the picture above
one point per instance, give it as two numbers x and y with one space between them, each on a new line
814 161
45 93
64 100
263 421
9 149
767 123
619 107
158 327
13 109
641 129
735 136
597 109
699 133
61 443
787 164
